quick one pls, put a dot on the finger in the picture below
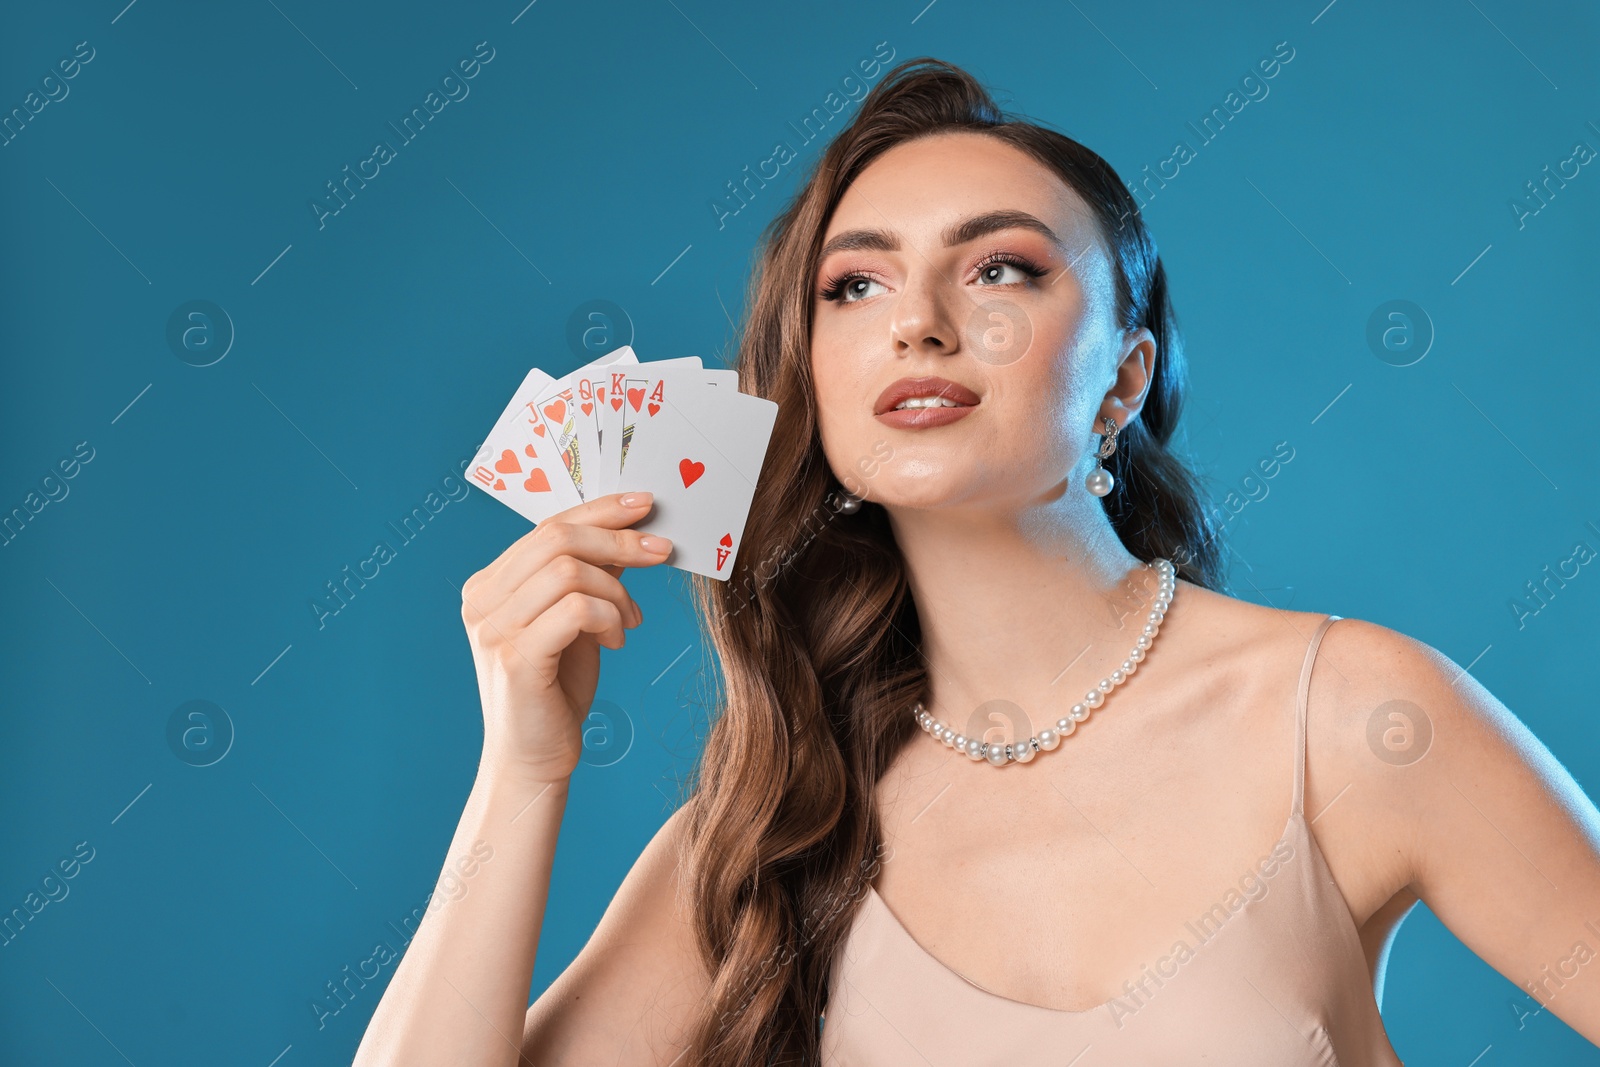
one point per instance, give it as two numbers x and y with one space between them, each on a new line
612 511
563 575
600 548
606 512
599 545
575 613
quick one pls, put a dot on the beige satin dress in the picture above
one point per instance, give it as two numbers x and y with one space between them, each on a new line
1275 981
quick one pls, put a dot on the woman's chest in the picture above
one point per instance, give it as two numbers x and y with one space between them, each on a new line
1249 981
1063 900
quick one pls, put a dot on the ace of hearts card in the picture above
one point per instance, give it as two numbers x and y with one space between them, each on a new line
700 454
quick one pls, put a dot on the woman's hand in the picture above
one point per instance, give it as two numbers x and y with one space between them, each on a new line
536 617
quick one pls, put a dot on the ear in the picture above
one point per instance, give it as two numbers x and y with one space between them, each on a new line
1135 371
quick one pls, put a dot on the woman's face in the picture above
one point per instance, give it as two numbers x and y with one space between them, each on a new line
962 258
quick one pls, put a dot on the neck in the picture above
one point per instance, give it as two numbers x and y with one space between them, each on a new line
1029 606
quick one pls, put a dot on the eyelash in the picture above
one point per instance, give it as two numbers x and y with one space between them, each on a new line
834 290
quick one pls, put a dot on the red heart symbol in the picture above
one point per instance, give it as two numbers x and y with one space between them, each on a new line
654 408
600 394
531 453
616 402
538 427
556 410
635 397
499 483
507 463
727 540
537 482
588 408
690 471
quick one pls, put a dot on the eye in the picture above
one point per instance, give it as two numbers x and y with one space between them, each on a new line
848 288
994 268
853 287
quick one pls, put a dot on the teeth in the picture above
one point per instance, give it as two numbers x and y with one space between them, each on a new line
926 402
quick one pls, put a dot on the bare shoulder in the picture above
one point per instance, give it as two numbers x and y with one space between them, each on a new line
1412 763
1464 732
1401 721
1423 784
630 994
1376 699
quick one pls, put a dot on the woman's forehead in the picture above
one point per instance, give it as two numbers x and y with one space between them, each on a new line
918 188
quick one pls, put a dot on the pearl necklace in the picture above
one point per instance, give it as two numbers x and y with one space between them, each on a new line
1047 740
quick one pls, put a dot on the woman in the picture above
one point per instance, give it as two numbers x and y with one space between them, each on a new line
1002 774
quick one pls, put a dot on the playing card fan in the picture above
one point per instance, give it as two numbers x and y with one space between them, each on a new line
669 427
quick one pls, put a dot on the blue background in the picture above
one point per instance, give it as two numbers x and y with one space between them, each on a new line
371 354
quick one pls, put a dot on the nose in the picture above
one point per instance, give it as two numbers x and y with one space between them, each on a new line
922 321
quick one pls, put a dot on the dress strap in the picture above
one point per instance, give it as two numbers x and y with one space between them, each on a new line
1300 715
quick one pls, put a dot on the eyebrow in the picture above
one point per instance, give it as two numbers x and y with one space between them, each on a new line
968 229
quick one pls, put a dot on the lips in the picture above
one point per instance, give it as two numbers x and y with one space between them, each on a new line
905 388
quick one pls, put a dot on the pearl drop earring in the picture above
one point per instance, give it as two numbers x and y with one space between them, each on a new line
1100 482
849 503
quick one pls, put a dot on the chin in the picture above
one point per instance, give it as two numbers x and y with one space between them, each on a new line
926 493
987 490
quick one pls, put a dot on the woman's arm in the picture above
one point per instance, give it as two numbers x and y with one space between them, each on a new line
459 993
630 995
536 618
1492 832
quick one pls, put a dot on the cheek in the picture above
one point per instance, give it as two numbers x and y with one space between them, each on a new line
826 369
1040 409
836 376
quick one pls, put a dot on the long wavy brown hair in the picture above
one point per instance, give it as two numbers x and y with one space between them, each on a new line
816 631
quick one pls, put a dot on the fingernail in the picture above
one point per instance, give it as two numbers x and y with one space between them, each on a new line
658 545
634 500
